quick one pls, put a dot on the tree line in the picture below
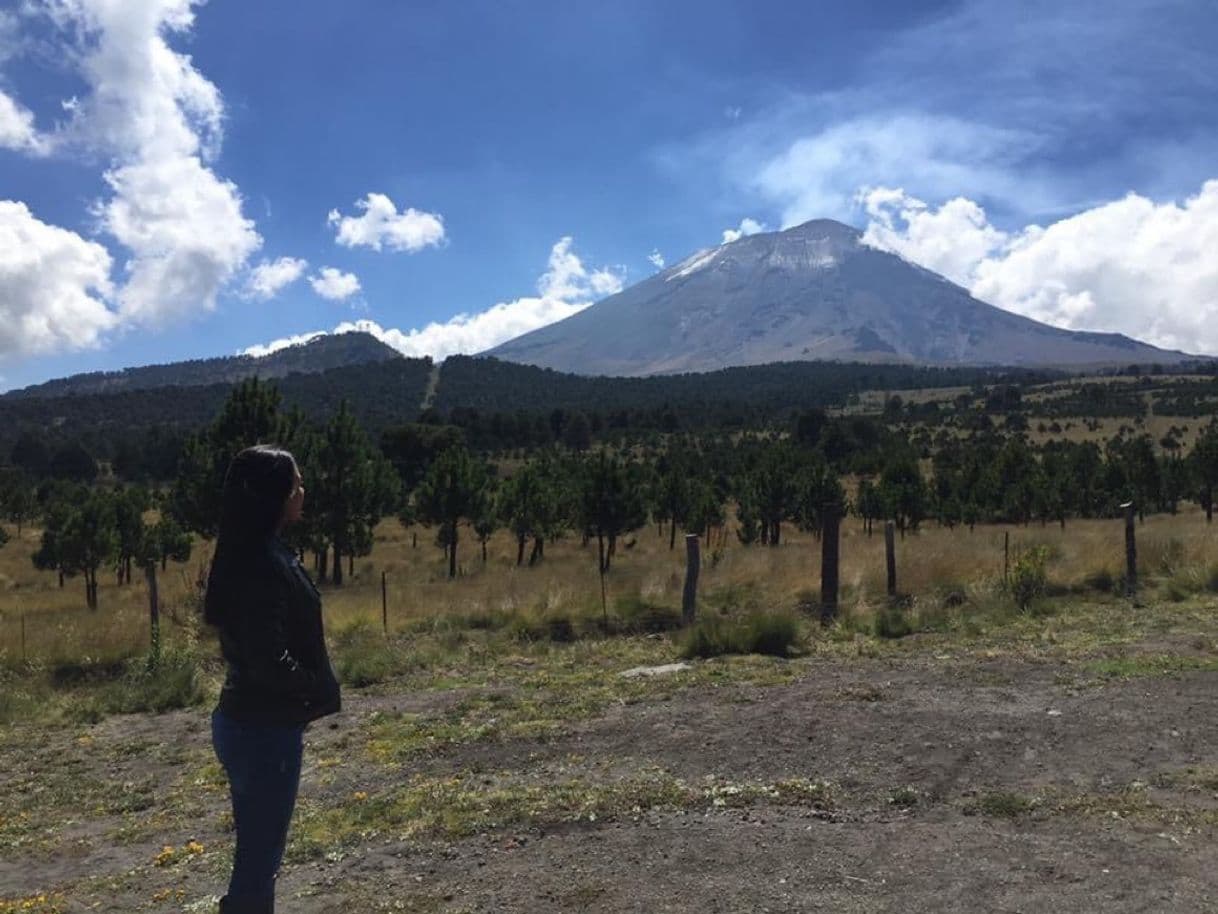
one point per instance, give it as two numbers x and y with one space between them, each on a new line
749 485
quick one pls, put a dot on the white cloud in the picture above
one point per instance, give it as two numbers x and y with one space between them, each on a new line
747 227
159 121
298 340
53 286
566 288
270 276
951 240
1132 266
334 284
814 176
185 229
17 128
381 224
657 259
567 279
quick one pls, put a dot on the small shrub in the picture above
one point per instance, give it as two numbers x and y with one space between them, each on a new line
903 797
642 617
363 657
1101 580
67 673
557 627
1211 579
954 595
151 683
707 637
892 622
16 703
1000 805
770 633
936 616
485 620
1176 590
1028 578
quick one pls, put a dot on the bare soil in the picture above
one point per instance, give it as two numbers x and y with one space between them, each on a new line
1015 786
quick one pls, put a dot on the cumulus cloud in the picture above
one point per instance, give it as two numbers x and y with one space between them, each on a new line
159 121
747 227
17 128
382 225
951 240
657 259
1132 265
565 288
54 286
334 284
298 340
270 276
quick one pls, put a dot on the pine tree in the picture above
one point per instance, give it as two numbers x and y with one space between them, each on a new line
611 503
449 493
249 416
1203 465
18 502
87 539
672 491
903 492
129 507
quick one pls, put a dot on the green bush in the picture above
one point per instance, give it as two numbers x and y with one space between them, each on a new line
151 683
557 627
1175 590
364 657
1211 579
892 621
770 633
641 617
1028 577
1000 805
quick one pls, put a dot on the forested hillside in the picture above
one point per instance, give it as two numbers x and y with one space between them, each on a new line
321 354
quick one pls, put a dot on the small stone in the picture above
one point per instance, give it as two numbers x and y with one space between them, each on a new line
662 670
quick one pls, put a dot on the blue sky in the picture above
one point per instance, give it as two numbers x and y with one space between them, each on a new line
513 161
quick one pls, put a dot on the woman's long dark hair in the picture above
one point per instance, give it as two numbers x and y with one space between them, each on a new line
256 488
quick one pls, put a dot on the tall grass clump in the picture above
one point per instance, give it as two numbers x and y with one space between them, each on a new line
1028 576
770 633
364 657
892 621
166 680
643 617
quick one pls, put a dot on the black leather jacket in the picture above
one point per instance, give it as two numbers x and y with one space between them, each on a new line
273 642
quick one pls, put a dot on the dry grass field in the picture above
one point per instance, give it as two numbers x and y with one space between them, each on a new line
934 564
490 759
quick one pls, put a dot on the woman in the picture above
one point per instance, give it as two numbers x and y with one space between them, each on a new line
268 613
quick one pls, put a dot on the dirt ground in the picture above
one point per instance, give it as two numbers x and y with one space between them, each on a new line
1012 785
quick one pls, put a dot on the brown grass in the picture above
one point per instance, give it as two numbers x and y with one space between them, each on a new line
934 565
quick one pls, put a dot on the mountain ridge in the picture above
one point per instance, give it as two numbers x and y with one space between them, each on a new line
315 356
812 292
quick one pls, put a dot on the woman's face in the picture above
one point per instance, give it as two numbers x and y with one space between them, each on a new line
294 506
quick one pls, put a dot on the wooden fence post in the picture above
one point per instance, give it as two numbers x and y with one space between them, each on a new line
1131 550
890 557
384 605
829 554
154 612
1006 556
693 563
23 658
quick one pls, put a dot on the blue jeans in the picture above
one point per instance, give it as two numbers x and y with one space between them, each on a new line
263 766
